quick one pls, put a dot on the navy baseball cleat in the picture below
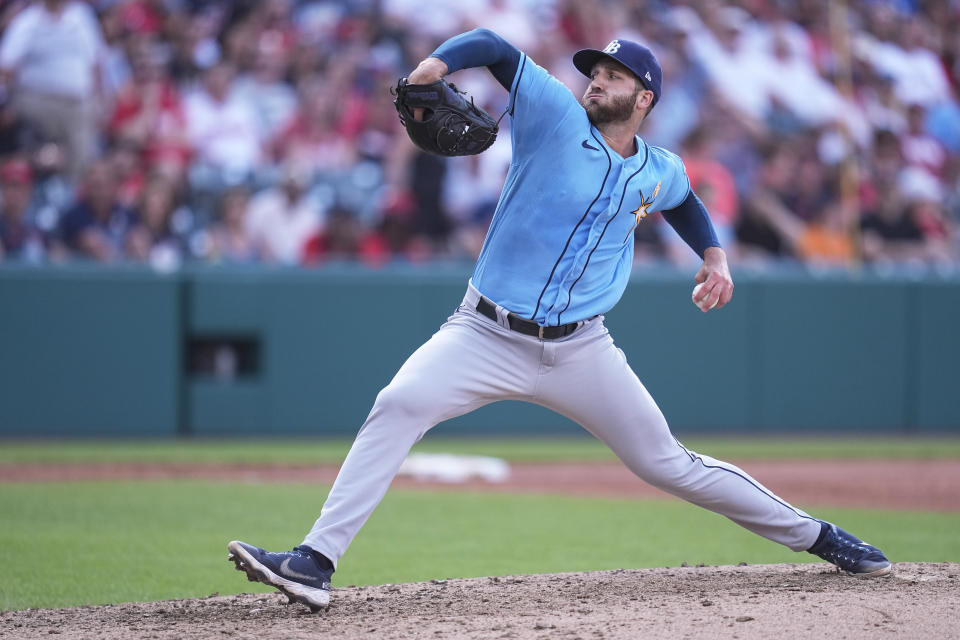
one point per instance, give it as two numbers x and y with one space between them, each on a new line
296 573
850 553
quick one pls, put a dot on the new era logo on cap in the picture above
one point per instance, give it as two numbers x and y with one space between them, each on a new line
633 55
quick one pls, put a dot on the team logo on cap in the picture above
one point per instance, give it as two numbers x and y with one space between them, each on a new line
613 47
647 76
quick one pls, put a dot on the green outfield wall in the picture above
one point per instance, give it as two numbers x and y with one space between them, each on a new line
98 351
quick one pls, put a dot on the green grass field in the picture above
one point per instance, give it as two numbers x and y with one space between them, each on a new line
67 544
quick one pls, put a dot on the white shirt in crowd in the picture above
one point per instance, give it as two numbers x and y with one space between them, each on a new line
280 227
273 103
742 75
225 134
51 53
918 75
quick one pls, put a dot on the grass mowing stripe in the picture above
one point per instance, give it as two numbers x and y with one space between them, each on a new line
87 543
315 451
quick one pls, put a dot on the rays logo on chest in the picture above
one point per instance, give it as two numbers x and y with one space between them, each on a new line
644 208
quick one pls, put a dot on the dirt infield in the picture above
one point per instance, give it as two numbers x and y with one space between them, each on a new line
748 602
925 485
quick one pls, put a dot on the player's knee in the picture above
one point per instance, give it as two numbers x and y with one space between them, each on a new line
400 400
669 475
671 479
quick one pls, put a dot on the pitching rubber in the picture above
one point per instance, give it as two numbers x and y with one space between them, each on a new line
316 599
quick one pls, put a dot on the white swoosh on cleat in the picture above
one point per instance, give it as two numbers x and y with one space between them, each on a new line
290 573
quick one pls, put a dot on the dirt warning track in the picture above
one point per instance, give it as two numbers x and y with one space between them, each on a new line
919 485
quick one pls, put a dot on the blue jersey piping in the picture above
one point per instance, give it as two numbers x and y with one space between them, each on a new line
619 206
584 217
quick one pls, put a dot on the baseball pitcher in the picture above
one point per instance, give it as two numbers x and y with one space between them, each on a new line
557 257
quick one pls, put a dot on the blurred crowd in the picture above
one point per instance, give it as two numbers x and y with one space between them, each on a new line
216 131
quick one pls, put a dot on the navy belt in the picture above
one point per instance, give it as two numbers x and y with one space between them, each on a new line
524 326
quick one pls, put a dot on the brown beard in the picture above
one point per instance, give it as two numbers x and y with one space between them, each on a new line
620 108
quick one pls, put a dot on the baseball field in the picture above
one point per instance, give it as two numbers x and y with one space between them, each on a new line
117 539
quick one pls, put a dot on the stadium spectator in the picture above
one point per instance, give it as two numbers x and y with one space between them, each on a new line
266 90
798 90
98 227
19 136
879 102
21 238
427 176
723 44
148 114
116 70
512 20
715 185
678 111
393 240
824 240
889 231
314 134
757 235
943 122
918 147
131 176
222 128
193 44
790 101
50 59
338 241
160 238
228 240
143 17
901 50
281 219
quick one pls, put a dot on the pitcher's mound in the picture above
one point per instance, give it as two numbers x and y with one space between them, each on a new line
762 601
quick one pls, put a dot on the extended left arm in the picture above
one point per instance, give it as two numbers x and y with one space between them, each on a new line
691 222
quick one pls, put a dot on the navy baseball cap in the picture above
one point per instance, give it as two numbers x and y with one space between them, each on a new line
632 55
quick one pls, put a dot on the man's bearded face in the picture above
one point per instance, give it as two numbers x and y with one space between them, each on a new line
610 108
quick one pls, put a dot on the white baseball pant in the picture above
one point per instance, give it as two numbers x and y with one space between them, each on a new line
473 361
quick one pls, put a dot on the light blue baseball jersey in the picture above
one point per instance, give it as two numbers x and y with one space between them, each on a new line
560 246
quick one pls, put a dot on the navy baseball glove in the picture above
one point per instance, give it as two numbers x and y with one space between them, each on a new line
451 125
